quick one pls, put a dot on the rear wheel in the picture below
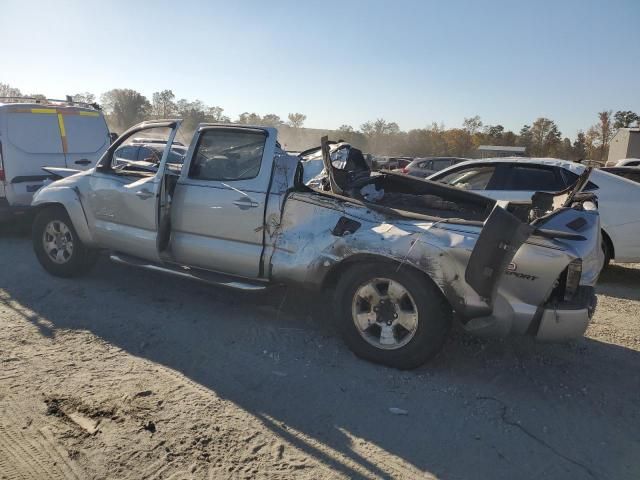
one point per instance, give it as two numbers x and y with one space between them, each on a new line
396 318
607 251
57 245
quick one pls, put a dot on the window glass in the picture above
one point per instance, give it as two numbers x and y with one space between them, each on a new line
440 164
227 154
35 132
531 178
633 164
472 178
142 151
86 133
126 153
148 154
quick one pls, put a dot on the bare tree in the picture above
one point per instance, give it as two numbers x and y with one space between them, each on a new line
296 120
84 97
7 90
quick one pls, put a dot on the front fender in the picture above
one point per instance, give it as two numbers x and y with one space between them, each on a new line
69 198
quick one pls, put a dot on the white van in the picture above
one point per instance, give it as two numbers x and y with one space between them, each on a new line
44 133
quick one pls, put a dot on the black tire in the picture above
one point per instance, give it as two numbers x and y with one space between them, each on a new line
606 249
78 262
434 315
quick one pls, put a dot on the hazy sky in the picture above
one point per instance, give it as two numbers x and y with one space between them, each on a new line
412 62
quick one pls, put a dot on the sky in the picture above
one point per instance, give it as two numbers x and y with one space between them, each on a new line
413 62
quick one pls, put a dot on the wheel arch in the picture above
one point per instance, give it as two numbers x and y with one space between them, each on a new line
331 278
607 239
68 199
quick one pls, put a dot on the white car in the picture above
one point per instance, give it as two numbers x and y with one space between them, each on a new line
625 162
516 179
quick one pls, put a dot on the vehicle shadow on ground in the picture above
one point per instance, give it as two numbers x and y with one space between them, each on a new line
620 281
482 409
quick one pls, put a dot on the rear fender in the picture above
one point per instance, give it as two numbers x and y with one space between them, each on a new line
69 198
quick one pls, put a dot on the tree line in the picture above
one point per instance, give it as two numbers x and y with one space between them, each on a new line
124 107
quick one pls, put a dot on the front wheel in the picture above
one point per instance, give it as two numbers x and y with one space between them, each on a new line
57 245
395 318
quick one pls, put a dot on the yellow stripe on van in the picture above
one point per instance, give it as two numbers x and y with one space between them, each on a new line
63 133
43 110
89 114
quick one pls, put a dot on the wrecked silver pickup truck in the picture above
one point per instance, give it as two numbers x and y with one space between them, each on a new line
403 257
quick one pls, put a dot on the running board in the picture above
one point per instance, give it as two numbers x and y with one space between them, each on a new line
190 273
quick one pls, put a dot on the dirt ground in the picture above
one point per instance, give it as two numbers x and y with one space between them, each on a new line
126 374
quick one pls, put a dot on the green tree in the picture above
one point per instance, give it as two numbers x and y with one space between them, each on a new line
296 120
624 119
600 135
247 118
126 107
163 104
472 125
545 137
215 115
579 149
271 120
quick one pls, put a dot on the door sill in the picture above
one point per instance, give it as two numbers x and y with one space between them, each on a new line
205 276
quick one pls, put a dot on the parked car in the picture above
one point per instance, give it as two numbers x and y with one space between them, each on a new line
424 167
396 163
47 133
399 255
517 179
631 173
625 162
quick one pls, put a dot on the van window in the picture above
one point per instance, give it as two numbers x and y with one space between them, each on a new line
24 128
85 134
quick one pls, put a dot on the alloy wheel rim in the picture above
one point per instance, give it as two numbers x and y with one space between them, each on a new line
57 241
384 313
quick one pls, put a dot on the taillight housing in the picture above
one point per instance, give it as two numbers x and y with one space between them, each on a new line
574 273
2 175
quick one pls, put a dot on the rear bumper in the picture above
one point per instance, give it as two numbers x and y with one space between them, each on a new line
9 212
567 320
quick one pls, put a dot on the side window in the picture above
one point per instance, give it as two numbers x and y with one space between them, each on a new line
86 132
440 164
228 154
633 164
35 132
531 178
124 158
470 178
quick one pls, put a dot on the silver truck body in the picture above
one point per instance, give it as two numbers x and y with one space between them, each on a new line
521 278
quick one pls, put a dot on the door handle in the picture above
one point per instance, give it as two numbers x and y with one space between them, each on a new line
144 194
245 203
82 161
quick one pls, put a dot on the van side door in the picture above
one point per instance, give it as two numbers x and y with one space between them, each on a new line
217 211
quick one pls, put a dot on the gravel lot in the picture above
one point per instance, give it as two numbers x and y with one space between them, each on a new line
128 374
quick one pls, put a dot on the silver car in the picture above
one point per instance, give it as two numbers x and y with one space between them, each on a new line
401 257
